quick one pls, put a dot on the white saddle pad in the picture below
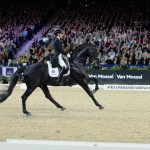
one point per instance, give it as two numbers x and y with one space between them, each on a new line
54 72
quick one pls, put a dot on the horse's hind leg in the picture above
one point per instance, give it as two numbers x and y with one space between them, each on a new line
84 85
24 98
48 95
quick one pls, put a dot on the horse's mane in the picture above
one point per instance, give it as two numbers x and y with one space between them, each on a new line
80 48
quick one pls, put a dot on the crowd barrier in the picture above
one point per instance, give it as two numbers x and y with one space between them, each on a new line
121 77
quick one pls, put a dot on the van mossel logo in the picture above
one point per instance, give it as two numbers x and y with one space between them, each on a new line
134 77
101 76
92 75
117 76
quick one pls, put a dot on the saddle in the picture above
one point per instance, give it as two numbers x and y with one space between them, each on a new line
54 72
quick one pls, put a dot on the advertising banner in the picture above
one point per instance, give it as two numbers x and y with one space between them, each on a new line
127 77
120 77
7 71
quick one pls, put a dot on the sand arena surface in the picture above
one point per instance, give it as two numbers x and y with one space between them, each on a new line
126 117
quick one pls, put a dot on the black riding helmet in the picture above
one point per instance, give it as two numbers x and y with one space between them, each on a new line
58 31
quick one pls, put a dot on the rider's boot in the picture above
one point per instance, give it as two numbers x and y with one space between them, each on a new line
63 70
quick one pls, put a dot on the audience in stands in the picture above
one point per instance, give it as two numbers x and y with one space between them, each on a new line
19 22
120 30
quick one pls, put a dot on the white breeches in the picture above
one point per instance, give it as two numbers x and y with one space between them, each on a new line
61 61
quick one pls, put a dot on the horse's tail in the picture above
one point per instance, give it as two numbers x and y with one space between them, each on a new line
13 81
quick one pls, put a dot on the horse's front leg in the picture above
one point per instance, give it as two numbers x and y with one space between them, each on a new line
84 85
95 80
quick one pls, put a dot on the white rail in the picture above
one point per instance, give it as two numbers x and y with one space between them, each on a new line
68 145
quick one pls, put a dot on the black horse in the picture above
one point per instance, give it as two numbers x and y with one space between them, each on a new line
36 75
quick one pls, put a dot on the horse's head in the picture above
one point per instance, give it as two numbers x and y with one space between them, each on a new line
84 51
92 52
87 50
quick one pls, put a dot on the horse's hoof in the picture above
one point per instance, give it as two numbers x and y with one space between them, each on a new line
101 107
63 108
28 114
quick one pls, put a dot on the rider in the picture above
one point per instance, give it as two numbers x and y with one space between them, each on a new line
59 52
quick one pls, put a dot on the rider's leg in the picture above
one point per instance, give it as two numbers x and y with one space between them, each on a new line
64 67
62 72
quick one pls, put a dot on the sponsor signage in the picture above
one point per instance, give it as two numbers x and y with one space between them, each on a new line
121 77
127 87
7 71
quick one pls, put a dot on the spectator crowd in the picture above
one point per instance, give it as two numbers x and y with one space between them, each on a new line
120 30
19 22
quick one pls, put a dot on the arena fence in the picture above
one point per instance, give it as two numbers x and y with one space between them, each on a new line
122 77
68 145
126 77
126 87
